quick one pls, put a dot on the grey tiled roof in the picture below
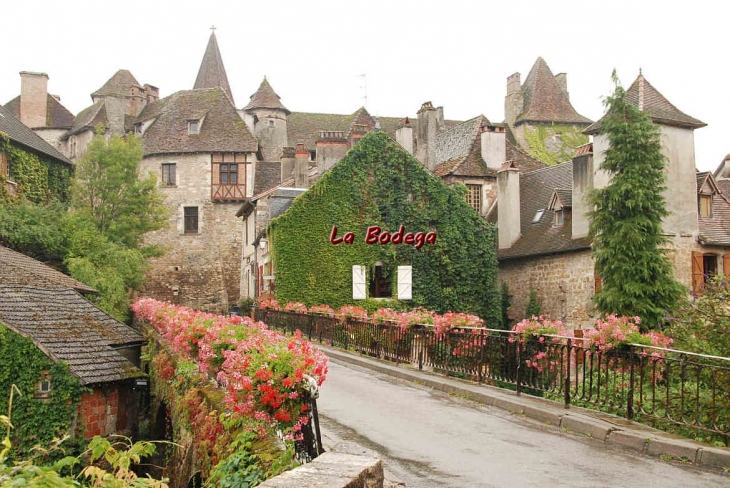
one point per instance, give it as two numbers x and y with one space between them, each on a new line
212 73
456 142
642 94
118 85
714 230
69 328
565 196
265 97
19 133
57 116
222 129
545 101
525 162
89 118
20 269
268 174
536 190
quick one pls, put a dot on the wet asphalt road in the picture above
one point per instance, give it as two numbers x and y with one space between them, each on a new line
427 439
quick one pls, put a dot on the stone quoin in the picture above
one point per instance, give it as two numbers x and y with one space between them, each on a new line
375 235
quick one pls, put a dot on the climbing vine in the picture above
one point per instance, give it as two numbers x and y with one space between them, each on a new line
37 420
38 179
379 184
554 144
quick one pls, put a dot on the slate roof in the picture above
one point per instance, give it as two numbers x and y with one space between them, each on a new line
20 269
57 116
268 174
221 130
643 95
266 97
714 230
69 328
89 118
212 73
118 85
565 196
525 162
457 142
545 101
21 134
536 190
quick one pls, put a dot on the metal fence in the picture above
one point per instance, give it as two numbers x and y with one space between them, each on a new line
666 388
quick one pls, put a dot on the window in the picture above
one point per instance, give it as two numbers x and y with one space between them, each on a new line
193 127
229 174
474 196
559 218
705 265
168 174
44 387
538 216
271 122
380 286
191 220
705 203
72 146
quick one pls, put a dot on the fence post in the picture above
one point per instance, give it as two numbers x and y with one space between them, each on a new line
567 374
630 394
518 369
482 345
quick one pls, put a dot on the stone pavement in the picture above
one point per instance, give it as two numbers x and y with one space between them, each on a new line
600 426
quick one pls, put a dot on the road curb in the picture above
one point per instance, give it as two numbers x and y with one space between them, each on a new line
576 420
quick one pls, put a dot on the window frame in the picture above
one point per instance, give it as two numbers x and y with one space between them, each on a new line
193 127
225 171
559 217
474 196
189 219
704 197
168 166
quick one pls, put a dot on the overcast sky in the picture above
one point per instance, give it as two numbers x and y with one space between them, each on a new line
457 54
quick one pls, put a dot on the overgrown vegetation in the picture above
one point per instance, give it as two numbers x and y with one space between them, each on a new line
533 305
566 139
637 278
97 241
379 184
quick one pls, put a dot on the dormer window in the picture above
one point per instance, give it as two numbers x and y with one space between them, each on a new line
193 127
705 206
559 218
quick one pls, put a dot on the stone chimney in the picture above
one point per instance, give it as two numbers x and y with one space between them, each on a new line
33 98
493 146
301 165
151 92
332 146
514 101
582 184
287 163
562 79
430 122
404 135
115 111
508 210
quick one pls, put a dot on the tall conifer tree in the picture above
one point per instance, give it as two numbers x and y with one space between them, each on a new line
636 275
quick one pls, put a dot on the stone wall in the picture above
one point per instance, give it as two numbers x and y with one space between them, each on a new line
199 270
108 409
564 284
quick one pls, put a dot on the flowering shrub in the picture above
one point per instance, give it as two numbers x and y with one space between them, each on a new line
322 309
614 331
539 327
416 316
272 304
452 320
384 315
352 312
261 370
295 307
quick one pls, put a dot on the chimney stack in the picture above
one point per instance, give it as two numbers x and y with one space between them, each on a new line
301 163
404 135
33 98
494 151
115 111
514 101
332 146
430 122
508 211
582 185
287 163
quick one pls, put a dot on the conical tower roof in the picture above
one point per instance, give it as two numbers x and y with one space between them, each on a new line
266 97
545 100
118 85
212 73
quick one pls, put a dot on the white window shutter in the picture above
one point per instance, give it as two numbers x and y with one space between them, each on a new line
358 282
405 277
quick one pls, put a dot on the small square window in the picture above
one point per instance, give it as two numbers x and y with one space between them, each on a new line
271 122
168 174
229 174
44 386
193 127
191 220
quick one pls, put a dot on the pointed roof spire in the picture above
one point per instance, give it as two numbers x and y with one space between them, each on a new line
265 97
545 100
118 85
212 73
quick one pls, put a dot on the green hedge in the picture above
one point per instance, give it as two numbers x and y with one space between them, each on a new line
379 183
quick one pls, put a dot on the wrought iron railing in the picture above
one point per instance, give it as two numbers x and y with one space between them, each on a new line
666 388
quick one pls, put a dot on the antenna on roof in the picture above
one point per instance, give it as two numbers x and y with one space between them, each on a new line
364 86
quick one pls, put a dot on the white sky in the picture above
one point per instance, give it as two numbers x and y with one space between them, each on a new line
456 53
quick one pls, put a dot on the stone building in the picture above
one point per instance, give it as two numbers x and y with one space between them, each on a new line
544 243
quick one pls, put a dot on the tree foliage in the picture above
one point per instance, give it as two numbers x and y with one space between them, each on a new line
636 276
110 191
378 183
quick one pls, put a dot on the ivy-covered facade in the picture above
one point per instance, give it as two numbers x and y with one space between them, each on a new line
378 184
